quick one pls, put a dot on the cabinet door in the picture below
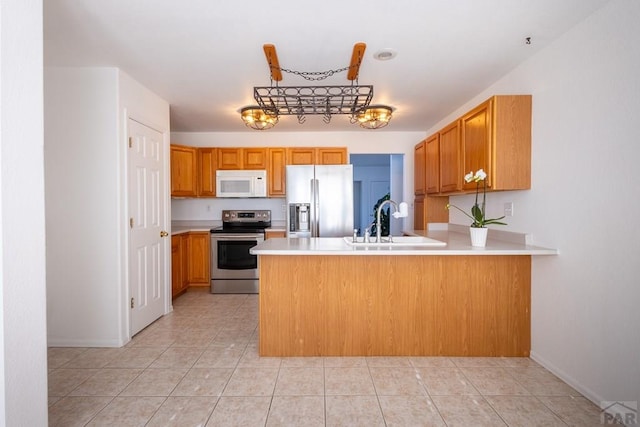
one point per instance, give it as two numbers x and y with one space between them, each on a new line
301 156
419 218
331 156
419 170
476 142
207 162
176 265
184 164
254 158
199 258
450 175
276 171
184 258
432 164
229 158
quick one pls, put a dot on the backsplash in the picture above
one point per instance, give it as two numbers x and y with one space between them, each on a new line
211 209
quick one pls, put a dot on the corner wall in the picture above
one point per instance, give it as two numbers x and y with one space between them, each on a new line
23 354
583 201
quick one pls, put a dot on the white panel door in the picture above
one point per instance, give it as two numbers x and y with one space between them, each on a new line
147 235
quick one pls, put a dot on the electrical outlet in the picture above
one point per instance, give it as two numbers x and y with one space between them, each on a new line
284 208
508 209
208 208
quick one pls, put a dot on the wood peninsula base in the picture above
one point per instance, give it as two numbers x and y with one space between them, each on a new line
329 305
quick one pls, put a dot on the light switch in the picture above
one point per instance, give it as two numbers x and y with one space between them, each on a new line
508 209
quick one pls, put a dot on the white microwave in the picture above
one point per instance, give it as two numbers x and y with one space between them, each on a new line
241 183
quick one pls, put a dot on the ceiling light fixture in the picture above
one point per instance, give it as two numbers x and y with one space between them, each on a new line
255 118
275 101
374 117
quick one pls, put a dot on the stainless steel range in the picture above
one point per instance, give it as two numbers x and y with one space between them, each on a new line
233 269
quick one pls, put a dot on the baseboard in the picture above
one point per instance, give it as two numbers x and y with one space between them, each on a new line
64 342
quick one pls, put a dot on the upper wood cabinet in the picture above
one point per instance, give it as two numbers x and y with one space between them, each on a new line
207 164
276 172
242 158
317 156
254 158
301 156
432 164
450 175
331 156
184 164
419 159
496 137
229 158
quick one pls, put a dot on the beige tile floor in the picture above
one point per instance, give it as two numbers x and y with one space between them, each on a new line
200 366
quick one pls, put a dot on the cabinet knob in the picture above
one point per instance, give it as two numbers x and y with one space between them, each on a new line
163 233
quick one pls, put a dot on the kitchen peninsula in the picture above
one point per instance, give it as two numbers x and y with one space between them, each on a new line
324 297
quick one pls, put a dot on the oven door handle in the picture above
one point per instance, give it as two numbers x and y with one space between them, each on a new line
237 237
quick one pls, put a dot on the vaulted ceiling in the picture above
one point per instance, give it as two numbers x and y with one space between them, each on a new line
204 57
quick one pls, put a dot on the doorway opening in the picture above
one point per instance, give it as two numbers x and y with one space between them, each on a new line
375 175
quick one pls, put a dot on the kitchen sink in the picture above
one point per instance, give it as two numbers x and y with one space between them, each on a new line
397 241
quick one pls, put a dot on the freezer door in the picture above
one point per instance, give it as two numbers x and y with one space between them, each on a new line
334 200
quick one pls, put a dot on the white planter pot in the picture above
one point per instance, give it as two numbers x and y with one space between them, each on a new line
478 236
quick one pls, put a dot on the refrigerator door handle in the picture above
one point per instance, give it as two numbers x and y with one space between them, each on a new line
316 201
313 221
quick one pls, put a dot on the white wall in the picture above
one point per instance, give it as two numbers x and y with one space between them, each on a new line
584 201
85 170
362 142
23 358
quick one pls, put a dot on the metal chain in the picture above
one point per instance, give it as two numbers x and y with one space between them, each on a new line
307 75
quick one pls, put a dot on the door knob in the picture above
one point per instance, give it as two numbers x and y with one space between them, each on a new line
163 234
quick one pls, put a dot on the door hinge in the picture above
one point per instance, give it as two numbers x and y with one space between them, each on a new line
130 142
132 303
131 222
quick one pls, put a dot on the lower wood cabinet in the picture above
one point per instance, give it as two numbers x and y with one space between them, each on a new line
269 234
189 261
199 264
179 282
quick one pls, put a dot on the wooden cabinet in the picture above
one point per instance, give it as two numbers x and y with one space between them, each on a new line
450 174
242 158
198 258
331 156
179 273
419 161
229 158
184 164
317 156
301 156
207 163
432 164
276 172
254 158
269 234
193 170
429 209
496 137
190 264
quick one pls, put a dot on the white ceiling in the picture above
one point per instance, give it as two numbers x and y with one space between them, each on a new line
205 56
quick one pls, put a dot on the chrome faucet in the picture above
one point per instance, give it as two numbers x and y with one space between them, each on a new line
399 213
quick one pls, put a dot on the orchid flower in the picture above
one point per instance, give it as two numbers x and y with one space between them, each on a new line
478 212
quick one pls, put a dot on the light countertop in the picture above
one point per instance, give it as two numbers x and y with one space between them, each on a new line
456 238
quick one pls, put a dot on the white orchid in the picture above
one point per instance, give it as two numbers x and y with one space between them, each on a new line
477 212
481 175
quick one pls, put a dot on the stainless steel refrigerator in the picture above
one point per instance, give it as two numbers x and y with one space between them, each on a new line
319 200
